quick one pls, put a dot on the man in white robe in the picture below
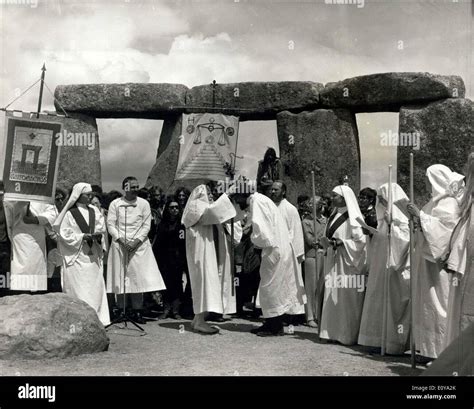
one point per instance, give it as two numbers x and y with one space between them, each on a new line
81 229
278 290
344 266
437 221
293 222
460 263
26 223
202 218
397 274
128 223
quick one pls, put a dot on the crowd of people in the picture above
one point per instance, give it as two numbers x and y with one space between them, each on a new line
337 262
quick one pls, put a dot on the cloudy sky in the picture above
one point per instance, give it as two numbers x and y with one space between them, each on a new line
195 42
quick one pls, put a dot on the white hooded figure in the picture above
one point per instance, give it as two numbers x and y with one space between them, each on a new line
206 252
395 271
26 223
437 221
81 229
344 266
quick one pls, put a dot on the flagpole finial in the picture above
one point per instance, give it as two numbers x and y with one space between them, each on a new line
44 67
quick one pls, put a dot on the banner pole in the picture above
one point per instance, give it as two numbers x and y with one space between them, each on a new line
40 98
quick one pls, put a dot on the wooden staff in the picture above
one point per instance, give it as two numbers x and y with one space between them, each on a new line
387 269
412 284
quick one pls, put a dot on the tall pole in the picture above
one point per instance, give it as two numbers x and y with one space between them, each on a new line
40 99
386 277
412 278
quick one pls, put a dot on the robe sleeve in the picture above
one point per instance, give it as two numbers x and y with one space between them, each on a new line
263 226
218 212
298 239
46 214
142 233
237 231
99 222
457 260
355 247
438 226
400 242
112 221
70 237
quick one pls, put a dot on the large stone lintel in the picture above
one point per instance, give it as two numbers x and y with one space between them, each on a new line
256 100
387 92
128 100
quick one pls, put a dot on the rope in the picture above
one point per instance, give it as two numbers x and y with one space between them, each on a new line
23 93
54 99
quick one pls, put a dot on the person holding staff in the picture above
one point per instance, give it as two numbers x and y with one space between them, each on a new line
436 222
128 222
397 269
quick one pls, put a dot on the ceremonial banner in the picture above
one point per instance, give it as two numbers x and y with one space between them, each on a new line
31 158
207 146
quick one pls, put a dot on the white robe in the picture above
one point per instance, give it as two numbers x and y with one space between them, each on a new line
293 221
142 274
398 303
344 285
460 302
430 279
82 274
278 291
28 264
224 263
210 281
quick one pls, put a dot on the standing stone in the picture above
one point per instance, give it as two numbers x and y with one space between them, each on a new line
162 173
81 161
390 90
324 140
445 132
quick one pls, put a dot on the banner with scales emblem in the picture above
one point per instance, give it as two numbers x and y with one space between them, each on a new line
207 146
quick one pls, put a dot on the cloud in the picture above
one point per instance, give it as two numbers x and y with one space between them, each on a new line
194 43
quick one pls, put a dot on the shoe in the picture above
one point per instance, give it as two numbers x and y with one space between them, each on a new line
177 316
312 324
267 333
261 328
206 331
214 317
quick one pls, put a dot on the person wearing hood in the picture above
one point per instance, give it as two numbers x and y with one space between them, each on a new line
344 265
207 255
81 229
459 264
279 291
436 222
398 276
26 225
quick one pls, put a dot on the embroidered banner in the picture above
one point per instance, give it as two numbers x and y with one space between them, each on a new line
31 158
207 146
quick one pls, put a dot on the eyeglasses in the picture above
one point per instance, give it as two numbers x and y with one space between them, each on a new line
173 207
